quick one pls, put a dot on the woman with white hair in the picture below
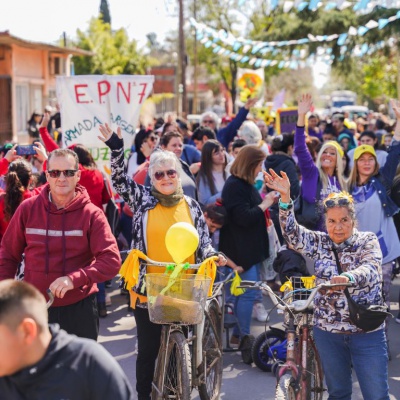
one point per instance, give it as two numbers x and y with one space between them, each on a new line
251 134
155 210
319 179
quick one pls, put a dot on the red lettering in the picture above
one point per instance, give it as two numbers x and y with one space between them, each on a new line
143 92
126 95
79 94
103 87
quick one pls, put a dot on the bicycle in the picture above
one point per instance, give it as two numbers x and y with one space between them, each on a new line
300 377
190 352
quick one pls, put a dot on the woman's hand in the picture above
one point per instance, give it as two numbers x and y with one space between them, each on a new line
106 132
221 262
396 109
339 279
45 120
269 199
11 154
41 153
146 149
194 168
278 183
304 106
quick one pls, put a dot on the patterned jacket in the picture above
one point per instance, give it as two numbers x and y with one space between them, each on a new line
140 201
360 255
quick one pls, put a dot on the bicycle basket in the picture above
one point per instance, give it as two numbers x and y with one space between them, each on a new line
183 303
298 289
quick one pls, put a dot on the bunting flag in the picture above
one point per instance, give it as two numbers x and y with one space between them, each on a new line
360 5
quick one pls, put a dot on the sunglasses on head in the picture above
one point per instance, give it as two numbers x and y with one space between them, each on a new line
171 173
339 202
68 173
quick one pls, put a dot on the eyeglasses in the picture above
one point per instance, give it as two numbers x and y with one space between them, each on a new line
153 138
68 173
171 173
339 202
208 121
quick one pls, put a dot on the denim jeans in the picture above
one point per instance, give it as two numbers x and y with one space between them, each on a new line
366 352
244 303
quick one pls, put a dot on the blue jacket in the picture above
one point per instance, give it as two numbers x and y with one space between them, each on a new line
226 135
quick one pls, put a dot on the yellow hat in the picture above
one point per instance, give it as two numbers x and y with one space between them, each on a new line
336 145
365 148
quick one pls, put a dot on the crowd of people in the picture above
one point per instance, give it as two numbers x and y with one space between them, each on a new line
318 188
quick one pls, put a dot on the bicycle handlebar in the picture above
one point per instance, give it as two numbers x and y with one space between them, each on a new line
298 305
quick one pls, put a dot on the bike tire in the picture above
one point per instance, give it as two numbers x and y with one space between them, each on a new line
176 381
262 346
284 388
210 388
315 379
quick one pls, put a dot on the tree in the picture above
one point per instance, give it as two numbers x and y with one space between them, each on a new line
113 52
105 15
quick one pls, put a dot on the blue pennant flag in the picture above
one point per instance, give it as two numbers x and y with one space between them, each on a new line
313 4
236 46
342 39
382 22
361 5
330 6
362 30
258 63
302 5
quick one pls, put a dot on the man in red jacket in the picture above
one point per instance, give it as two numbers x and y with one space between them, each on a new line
68 246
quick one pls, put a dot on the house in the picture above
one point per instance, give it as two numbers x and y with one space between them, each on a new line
28 73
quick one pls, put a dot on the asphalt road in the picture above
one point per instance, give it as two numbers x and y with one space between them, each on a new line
240 381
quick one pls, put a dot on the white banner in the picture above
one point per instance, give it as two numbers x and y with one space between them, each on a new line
87 101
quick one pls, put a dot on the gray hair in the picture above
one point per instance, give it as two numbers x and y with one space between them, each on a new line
161 158
63 153
211 115
250 132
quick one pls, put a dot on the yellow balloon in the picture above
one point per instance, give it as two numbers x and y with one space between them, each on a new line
181 241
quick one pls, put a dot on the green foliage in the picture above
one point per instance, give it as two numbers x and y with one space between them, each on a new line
113 52
105 15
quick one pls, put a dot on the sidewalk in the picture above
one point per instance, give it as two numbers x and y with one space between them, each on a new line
240 381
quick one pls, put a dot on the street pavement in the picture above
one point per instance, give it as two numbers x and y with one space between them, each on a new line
240 381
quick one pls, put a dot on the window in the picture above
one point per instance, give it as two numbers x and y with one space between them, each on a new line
22 100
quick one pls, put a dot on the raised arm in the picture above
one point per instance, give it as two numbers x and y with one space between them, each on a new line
129 190
48 141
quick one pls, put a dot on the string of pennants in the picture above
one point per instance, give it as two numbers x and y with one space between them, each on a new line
251 50
313 5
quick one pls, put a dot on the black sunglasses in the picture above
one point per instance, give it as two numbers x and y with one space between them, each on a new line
68 173
153 138
336 202
171 173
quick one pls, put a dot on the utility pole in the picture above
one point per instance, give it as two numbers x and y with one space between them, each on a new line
182 61
195 62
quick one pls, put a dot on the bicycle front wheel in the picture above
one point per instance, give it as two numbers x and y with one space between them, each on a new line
314 377
268 348
177 378
210 387
284 388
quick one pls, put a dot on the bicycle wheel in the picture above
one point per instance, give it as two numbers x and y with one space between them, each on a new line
176 380
268 348
314 377
210 387
284 388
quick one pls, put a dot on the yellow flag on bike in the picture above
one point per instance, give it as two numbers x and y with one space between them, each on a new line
235 290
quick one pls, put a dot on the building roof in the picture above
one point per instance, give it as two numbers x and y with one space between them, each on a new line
7 39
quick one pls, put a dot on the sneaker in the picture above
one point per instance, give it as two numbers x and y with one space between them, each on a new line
108 284
260 313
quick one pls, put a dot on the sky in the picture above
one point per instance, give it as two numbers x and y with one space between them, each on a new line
46 20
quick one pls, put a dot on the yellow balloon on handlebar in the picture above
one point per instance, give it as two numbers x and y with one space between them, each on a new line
181 241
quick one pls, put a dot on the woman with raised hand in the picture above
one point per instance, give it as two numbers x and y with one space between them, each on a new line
370 186
341 345
323 177
155 210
